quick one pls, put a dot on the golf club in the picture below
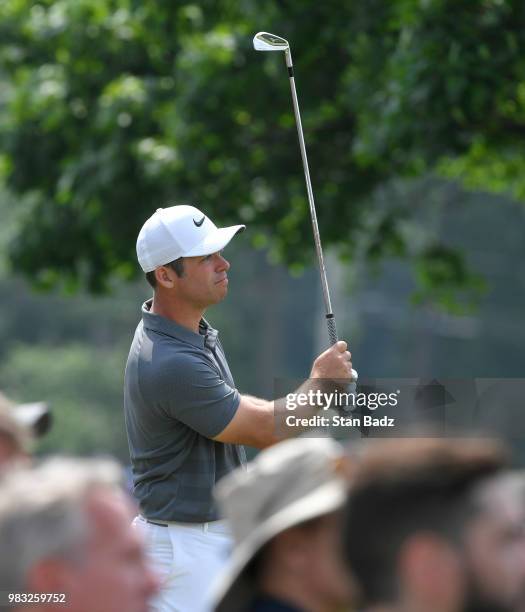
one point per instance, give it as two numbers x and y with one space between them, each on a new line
264 41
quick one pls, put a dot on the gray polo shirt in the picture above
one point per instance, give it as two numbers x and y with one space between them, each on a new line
178 394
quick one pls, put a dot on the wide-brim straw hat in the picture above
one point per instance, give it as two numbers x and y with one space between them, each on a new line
287 484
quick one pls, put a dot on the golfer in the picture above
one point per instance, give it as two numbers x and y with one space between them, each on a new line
186 422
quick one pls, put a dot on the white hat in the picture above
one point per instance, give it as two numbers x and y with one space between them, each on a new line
289 483
37 416
180 231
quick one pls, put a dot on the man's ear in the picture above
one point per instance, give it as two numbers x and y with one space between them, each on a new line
431 567
165 277
292 548
49 576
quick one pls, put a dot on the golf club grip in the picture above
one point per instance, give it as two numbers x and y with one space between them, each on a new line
332 329
332 334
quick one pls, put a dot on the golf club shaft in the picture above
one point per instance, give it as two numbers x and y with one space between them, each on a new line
330 318
313 215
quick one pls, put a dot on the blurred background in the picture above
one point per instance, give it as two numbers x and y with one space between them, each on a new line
414 118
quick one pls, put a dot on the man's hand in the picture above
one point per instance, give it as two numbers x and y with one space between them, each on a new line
260 423
334 364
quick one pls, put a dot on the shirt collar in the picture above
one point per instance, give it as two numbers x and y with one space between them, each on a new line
207 336
267 602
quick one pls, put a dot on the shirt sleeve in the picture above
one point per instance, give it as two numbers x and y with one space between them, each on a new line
195 394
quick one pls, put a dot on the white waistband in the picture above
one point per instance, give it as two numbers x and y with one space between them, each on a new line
221 524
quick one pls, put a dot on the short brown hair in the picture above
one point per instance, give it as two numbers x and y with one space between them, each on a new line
403 487
177 265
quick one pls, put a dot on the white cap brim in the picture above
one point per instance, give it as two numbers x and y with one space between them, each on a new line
35 416
215 241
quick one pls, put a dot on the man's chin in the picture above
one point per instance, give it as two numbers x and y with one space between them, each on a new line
220 295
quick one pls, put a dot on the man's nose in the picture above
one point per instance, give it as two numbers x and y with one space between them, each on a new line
222 263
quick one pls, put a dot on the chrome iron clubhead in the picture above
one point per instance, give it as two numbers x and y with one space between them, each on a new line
264 41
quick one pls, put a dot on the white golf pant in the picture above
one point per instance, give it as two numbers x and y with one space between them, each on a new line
187 558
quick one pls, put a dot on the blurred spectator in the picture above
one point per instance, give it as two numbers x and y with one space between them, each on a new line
413 505
495 545
284 513
36 417
14 437
19 425
65 528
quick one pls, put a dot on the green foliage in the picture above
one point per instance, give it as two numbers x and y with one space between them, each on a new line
110 108
84 387
438 78
443 277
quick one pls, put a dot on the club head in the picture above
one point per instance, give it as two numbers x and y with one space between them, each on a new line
264 41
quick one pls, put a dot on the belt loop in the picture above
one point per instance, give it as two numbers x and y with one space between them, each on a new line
205 527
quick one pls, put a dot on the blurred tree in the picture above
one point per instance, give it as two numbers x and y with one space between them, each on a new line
440 84
113 107
84 387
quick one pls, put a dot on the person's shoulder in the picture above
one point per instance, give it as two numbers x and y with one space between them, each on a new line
165 346
178 360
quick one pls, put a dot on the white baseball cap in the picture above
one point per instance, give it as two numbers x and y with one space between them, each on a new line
180 231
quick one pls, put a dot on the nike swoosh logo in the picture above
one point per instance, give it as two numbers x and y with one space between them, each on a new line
199 223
